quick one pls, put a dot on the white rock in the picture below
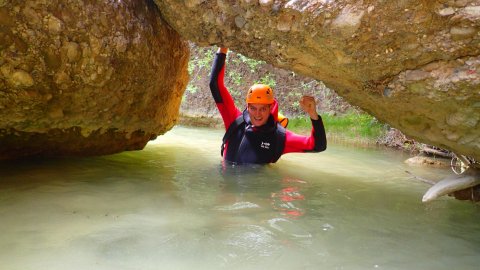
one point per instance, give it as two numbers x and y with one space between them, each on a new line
265 3
349 20
446 11
472 11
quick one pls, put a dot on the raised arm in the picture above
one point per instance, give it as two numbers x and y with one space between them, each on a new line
317 141
222 97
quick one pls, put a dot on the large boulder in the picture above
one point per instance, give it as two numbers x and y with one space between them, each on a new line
80 77
412 64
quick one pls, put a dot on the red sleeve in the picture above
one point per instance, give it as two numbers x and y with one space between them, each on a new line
222 97
316 142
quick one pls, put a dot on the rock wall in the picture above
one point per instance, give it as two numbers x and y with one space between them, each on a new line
80 77
413 64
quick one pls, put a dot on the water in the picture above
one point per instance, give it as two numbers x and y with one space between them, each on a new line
175 206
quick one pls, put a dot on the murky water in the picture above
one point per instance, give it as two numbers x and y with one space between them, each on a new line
175 206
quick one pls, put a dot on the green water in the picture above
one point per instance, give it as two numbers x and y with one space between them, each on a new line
175 206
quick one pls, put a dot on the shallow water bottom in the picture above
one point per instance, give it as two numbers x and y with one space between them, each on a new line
176 206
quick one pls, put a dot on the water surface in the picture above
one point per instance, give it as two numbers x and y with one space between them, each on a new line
176 206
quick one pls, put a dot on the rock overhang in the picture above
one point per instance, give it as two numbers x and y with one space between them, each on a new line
411 64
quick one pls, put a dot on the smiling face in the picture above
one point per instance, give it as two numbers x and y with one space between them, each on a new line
258 113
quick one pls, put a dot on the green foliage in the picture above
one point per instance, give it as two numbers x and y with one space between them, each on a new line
296 104
268 80
200 60
192 89
235 76
351 125
251 63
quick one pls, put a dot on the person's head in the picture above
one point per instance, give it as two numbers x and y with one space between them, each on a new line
259 101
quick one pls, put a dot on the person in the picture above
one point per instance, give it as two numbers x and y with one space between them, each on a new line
254 135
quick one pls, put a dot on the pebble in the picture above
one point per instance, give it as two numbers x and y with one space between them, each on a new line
21 79
72 49
54 24
446 11
240 21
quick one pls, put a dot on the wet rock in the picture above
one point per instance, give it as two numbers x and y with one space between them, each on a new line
86 79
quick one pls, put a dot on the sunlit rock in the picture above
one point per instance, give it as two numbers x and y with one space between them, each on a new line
86 78
411 64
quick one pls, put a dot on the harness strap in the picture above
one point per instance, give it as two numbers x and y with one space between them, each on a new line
231 129
280 145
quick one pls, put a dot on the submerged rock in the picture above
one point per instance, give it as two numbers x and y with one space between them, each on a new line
428 161
86 78
413 65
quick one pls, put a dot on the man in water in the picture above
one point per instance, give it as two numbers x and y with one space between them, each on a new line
255 136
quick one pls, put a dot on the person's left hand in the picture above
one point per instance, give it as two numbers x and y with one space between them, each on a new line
308 105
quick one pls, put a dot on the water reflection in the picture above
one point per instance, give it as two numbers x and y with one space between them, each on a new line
289 199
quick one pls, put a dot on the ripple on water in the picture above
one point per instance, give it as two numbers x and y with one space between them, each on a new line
289 228
237 206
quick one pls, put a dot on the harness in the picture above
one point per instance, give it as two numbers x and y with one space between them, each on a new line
239 125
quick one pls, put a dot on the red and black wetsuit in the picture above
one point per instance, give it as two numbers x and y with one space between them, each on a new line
263 144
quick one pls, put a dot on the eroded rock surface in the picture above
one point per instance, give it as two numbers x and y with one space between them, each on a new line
412 64
86 77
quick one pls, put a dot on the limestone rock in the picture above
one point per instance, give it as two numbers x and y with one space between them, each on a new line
414 65
86 78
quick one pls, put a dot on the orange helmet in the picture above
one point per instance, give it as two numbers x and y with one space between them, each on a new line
260 93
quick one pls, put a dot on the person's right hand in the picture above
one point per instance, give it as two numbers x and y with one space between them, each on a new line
222 50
